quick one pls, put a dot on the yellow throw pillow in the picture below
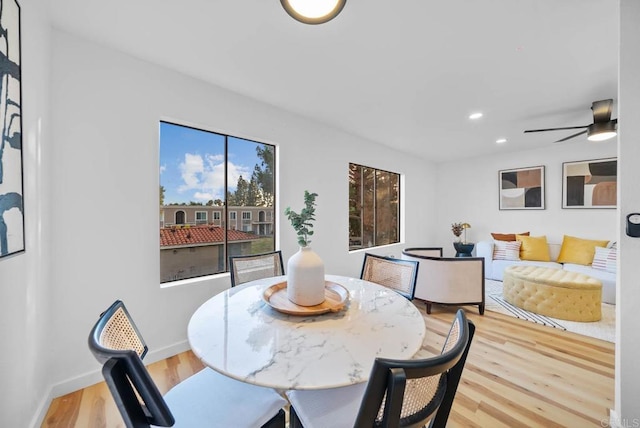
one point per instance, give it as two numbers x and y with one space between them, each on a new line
534 248
579 251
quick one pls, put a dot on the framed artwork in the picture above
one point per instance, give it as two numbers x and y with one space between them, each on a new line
590 183
522 188
11 188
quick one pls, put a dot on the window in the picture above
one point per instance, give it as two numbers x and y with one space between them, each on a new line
201 217
246 215
374 207
206 174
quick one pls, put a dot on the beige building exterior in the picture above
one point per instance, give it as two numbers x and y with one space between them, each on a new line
257 220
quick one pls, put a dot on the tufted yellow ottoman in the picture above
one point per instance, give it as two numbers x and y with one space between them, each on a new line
553 292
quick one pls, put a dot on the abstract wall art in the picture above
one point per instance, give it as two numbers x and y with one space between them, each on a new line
590 183
11 187
522 188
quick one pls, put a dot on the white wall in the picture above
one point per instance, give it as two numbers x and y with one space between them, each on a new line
105 110
467 191
24 286
627 407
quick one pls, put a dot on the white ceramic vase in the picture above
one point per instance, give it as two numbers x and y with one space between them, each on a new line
305 278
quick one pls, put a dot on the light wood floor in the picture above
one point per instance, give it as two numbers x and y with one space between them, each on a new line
518 374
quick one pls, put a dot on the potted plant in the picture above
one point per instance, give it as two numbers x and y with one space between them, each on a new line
456 228
305 269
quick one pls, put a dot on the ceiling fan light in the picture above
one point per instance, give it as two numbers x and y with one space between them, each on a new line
601 131
313 11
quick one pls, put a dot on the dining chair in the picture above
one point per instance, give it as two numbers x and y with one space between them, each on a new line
399 275
255 266
399 393
207 398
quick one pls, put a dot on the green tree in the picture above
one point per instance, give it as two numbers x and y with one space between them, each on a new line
263 174
242 192
161 195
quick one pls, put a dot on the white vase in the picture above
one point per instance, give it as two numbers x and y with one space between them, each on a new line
305 278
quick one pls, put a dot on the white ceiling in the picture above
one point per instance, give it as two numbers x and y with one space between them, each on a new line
403 73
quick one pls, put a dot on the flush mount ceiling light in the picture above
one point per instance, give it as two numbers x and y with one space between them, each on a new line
475 116
313 11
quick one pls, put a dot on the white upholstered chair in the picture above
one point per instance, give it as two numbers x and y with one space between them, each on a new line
446 280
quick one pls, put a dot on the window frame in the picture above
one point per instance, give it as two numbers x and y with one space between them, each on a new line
230 222
200 221
375 200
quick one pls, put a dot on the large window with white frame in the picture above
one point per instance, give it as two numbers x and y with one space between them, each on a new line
205 178
374 207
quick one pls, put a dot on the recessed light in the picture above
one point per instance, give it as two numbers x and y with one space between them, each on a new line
501 140
475 116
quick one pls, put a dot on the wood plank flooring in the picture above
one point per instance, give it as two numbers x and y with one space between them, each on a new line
518 374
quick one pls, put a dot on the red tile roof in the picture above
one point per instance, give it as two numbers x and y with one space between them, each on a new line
200 235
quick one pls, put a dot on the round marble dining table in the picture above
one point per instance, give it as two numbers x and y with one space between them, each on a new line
238 334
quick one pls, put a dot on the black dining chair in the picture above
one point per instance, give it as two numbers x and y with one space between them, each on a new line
250 267
399 393
397 274
206 399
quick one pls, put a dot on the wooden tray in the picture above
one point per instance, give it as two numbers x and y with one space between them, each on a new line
336 296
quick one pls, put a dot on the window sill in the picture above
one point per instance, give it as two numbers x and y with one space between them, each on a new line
195 281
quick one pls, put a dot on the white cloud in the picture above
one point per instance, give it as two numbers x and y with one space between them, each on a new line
191 170
206 176
163 168
202 197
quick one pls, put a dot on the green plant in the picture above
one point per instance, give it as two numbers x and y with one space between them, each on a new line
302 223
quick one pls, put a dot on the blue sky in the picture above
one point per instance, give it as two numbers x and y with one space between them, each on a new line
192 163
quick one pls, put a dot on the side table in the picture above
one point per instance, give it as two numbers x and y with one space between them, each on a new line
463 249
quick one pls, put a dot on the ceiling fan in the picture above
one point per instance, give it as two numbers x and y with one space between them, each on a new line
602 128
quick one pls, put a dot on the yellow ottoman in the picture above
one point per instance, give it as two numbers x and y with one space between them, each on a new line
553 292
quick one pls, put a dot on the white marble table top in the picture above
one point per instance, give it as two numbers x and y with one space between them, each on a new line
239 335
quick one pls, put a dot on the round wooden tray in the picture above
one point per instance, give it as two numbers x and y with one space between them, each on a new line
336 297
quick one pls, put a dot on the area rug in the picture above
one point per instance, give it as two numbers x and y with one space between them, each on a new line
604 329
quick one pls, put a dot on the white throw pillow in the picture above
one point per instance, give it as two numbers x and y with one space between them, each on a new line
506 250
605 259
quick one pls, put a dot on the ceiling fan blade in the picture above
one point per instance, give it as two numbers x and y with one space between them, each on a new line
602 110
571 136
556 129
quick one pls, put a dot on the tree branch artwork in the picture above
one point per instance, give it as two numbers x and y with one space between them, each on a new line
11 185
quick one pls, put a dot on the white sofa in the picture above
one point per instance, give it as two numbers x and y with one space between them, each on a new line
494 269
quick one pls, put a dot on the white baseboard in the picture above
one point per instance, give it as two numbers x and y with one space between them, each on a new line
614 420
41 410
95 376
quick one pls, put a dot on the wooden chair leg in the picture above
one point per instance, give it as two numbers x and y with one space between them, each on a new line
428 307
481 308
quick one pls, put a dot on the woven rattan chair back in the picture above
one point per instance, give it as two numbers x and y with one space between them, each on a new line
116 343
119 333
415 392
255 266
399 275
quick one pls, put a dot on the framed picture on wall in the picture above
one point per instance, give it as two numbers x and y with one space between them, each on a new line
590 183
521 188
11 200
